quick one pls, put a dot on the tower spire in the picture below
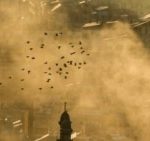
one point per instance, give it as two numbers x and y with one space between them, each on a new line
65 106
65 126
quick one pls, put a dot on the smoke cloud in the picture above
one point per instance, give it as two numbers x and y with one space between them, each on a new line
108 99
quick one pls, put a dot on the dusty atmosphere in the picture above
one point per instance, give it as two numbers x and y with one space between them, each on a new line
108 94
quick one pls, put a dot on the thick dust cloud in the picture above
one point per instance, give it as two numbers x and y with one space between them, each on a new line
107 99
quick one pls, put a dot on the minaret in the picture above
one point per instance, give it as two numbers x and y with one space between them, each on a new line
65 126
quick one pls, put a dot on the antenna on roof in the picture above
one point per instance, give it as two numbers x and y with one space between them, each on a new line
65 106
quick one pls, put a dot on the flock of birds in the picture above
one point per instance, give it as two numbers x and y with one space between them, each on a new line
62 67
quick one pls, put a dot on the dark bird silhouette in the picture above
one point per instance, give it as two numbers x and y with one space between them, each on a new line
56 64
48 80
49 74
52 87
80 63
59 47
29 71
67 72
65 65
56 34
22 80
81 47
45 72
80 43
84 63
45 33
31 48
88 54
33 58
0 83
22 89
46 62
60 69
40 89
82 52
65 77
72 46
62 57
42 45
27 56
23 69
72 53
79 67
75 64
71 62
28 42
49 68
10 77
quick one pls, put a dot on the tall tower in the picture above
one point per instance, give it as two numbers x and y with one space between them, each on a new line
65 126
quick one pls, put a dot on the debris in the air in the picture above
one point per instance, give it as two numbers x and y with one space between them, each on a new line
10 77
49 68
0 83
40 89
67 72
22 89
82 52
56 64
33 58
28 42
31 48
52 87
65 77
45 33
71 62
88 54
84 62
42 45
59 47
60 69
65 65
23 69
45 62
29 71
72 53
48 80
62 57
80 43
22 80
27 56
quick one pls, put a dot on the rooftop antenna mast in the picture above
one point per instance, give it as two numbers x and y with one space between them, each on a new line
65 106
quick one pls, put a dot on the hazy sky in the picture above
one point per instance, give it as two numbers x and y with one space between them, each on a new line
111 91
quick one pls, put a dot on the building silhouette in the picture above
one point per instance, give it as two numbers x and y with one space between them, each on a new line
65 126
